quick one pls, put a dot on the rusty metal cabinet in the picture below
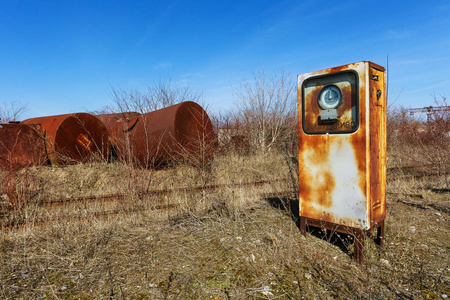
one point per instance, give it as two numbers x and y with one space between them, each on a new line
342 150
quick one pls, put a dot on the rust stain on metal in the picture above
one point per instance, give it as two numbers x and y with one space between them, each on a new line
84 142
71 138
120 126
123 121
378 144
322 178
20 146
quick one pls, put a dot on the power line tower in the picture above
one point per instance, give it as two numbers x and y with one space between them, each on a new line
429 110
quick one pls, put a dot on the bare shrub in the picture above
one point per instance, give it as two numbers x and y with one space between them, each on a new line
15 187
266 109
432 142
11 111
160 94
231 135
22 189
424 146
398 123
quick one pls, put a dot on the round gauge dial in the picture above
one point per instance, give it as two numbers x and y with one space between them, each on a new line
330 97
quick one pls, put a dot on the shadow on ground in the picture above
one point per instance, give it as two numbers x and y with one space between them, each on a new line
291 207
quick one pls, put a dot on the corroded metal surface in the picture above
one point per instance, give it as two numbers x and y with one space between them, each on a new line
72 138
377 144
120 126
119 122
181 131
342 164
20 146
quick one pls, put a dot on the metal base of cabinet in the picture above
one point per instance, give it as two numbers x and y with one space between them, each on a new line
357 233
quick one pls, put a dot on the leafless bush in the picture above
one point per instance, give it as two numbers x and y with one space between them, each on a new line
160 94
19 186
11 111
231 135
415 143
433 142
266 109
399 121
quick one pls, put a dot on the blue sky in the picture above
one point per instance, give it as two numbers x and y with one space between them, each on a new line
63 56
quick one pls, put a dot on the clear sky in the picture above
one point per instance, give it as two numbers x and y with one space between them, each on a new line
63 56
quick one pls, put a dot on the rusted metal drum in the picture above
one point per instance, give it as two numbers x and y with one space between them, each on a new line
182 131
21 146
119 126
72 138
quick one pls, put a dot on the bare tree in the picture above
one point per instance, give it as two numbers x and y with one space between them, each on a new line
166 93
160 94
266 108
11 111
129 100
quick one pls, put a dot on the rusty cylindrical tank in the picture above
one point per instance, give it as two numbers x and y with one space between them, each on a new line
71 138
119 126
21 146
181 131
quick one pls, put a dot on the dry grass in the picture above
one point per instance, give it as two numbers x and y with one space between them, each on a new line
222 244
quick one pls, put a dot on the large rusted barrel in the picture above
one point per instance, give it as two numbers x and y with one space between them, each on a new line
182 131
119 126
21 146
71 138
